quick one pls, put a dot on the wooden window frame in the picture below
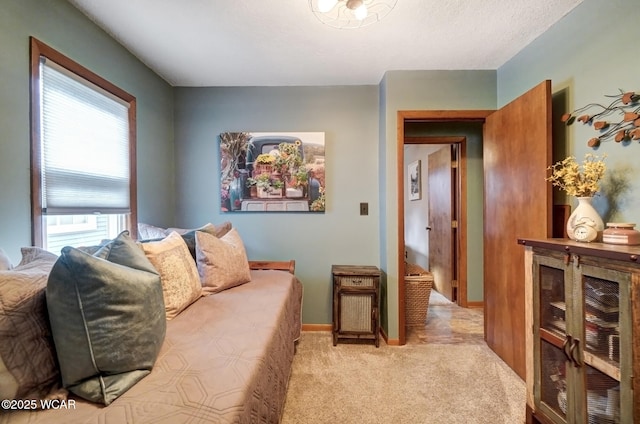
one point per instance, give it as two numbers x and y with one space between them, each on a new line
39 49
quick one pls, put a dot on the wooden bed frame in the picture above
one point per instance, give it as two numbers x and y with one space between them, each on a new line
277 265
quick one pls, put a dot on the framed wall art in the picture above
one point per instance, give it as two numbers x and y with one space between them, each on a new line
413 175
272 172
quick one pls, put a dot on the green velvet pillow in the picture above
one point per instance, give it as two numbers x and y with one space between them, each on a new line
107 318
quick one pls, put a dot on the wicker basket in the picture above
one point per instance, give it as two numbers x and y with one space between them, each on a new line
418 283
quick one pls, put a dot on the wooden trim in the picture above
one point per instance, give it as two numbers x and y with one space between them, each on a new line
529 319
444 115
289 266
76 68
475 305
133 167
36 168
462 225
402 332
532 418
317 327
434 140
388 341
609 251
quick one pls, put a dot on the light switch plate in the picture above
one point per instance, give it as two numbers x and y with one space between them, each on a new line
364 209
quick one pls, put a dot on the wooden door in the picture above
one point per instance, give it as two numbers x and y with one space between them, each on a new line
441 215
517 204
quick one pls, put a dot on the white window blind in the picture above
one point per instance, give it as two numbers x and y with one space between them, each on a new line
85 146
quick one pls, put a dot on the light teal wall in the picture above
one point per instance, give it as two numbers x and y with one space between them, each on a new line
348 117
590 53
61 26
417 90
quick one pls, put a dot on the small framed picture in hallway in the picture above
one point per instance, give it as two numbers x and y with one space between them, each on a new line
413 176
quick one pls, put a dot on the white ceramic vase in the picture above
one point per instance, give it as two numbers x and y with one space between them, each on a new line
562 401
585 213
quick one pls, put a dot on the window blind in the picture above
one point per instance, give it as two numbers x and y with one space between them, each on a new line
85 146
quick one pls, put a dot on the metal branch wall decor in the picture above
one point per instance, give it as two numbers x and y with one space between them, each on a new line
624 126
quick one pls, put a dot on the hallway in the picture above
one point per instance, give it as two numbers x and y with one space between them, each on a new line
447 323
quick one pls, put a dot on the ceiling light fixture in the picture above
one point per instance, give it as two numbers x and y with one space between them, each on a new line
350 14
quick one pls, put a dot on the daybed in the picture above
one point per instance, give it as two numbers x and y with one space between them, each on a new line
226 358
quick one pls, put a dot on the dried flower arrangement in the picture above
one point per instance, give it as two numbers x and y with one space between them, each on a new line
578 180
627 127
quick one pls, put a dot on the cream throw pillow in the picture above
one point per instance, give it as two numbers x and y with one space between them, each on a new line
222 262
27 353
5 262
148 231
178 273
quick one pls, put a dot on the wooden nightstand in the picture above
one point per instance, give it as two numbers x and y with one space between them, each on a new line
356 294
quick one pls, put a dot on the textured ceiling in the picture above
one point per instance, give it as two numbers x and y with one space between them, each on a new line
281 42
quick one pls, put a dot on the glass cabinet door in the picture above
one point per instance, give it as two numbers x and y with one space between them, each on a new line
553 300
550 338
606 327
553 381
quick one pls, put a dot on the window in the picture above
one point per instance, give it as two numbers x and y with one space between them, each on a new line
82 153
64 224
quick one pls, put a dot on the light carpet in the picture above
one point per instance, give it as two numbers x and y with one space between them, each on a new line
418 383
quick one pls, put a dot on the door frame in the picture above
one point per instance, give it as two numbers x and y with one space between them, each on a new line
404 116
459 265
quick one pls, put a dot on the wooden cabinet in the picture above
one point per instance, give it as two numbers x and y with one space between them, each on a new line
356 294
583 350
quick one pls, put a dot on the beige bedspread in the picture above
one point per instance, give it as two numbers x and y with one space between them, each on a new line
225 359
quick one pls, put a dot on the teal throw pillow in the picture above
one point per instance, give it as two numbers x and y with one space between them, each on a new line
107 318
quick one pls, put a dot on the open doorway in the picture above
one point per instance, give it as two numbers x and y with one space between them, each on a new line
512 159
432 237
424 127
